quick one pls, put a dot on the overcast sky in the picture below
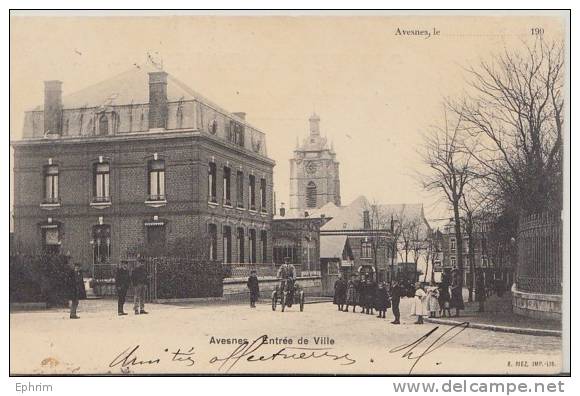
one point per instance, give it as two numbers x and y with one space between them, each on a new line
376 92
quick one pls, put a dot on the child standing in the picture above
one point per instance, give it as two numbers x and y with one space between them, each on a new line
433 302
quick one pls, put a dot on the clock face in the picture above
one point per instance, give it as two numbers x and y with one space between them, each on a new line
311 167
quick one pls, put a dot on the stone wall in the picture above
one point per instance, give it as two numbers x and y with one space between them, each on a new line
537 305
232 287
236 288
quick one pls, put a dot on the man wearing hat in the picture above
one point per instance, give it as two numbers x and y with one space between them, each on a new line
396 294
76 289
122 282
139 281
286 274
254 287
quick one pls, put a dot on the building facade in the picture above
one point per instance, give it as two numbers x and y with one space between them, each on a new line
314 172
297 240
141 162
481 254
371 248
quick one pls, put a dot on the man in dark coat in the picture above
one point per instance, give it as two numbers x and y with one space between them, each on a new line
340 292
76 289
444 298
456 295
254 287
382 300
122 282
396 293
369 291
139 281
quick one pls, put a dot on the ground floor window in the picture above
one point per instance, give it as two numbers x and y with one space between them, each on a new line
212 233
51 239
290 252
264 242
101 244
156 240
227 235
241 245
252 242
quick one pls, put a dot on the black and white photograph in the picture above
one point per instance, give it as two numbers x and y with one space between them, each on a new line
289 193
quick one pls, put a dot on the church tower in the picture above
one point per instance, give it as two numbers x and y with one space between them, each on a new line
314 176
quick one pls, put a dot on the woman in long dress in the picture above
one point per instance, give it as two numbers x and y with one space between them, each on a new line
352 294
420 308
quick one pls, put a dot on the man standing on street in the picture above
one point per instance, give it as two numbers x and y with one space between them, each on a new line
396 292
122 282
76 289
254 286
139 280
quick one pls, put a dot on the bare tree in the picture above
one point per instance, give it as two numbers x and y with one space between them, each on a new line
395 220
514 109
377 223
475 207
410 240
447 156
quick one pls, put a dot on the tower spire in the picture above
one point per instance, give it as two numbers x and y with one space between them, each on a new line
314 125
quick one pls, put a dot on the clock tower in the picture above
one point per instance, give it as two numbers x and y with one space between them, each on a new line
314 176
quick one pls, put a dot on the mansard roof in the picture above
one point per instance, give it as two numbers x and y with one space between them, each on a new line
130 87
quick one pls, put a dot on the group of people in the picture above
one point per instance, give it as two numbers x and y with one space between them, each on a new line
436 299
137 279
287 275
432 300
367 294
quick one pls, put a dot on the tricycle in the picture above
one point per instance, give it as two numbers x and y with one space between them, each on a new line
288 292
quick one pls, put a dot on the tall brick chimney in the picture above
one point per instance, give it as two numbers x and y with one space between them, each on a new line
366 220
53 107
157 100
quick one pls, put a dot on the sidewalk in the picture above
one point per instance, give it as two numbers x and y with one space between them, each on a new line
498 316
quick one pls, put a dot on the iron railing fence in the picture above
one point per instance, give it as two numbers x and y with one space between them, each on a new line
539 246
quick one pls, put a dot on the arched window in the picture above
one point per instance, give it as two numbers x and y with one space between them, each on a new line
311 195
101 244
103 125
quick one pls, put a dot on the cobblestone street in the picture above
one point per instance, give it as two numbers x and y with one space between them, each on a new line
48 342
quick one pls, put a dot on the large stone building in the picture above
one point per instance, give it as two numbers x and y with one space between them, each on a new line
141 160
314 173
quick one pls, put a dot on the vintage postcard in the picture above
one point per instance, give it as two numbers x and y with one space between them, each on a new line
366 193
